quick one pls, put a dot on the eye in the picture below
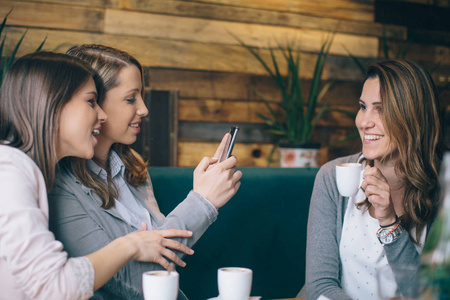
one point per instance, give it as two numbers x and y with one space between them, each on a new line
131 100
92 102
362 106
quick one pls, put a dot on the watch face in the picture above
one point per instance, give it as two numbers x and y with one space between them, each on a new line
388 238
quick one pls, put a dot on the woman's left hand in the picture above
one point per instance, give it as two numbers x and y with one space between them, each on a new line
378 192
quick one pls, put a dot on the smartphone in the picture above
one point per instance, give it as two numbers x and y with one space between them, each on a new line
226 153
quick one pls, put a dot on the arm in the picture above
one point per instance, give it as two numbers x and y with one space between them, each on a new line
322 252
29 249
82 234
214 185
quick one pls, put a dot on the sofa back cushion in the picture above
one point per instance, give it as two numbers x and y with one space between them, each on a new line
263 227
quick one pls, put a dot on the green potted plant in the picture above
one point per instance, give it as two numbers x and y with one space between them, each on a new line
6 61
295 117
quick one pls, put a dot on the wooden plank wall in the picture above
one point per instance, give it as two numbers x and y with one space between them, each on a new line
187 46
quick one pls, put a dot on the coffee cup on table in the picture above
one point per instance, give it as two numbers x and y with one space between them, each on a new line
234 283
160 285
349 178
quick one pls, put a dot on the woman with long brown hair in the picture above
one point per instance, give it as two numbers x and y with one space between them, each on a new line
48 111
385 224
111 195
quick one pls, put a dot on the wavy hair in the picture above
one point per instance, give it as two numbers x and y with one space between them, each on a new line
34 90
413 121
108 62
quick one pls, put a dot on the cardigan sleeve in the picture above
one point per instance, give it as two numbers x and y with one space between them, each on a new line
32 254
322 250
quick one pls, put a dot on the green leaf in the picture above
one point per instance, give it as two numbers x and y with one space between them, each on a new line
356 60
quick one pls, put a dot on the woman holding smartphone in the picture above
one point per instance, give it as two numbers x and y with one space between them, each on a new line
111 195
48 111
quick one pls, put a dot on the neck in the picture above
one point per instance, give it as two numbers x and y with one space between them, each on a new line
101 152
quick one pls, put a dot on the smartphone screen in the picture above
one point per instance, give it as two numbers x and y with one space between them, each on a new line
226 153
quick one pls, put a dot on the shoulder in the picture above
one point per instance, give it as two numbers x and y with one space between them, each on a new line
14 159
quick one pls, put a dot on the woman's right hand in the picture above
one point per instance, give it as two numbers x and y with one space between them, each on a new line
153 246
217 182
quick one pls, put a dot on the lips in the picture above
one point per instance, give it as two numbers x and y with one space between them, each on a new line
96 131
136 124
372 137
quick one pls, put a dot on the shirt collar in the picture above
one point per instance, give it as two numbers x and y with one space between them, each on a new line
115 163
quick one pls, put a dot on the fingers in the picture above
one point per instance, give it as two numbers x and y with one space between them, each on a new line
171 233
229 163
173 257
222 145
177 246
204 164
143 227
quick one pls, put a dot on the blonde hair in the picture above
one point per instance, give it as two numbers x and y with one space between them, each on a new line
412 119
108 62
34 90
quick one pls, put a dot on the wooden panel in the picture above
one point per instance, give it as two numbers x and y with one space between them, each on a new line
161 53
52 16
342 9
190 153
419 52
264 16
90 3
248 155
245 112
220 32
216 85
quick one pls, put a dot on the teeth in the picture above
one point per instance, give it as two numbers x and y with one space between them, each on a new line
372 137
95 132
135 125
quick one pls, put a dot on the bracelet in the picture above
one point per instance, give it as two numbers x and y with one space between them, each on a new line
395 222
392 230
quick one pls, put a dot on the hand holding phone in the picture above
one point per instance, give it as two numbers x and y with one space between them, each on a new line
228 149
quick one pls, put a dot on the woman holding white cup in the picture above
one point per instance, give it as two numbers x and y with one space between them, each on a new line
383 222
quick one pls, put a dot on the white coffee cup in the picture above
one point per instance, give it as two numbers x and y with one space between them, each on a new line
349 178
160 285
234 283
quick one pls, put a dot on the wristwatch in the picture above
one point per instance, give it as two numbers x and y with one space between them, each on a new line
388 235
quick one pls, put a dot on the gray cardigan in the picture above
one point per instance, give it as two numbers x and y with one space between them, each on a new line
326 216
83 226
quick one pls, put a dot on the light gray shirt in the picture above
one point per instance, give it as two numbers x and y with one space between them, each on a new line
83 226
126 204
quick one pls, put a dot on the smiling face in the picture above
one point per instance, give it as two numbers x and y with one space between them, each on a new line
125 109
79 123
375 140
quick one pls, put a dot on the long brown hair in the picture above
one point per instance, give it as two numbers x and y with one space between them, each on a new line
412 119
35 89
108 62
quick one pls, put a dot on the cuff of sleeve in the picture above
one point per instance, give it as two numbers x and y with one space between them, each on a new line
212 212
84 273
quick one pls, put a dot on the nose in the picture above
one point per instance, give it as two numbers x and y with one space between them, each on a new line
101 115
364 120
142 110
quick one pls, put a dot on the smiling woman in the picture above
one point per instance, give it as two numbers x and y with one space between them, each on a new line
402 147
116 181
48 110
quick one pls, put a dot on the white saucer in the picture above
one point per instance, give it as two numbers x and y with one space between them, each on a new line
251 298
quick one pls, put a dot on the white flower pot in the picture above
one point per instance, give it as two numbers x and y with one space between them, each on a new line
292 157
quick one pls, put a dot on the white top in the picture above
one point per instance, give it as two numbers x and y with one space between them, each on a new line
360 251
32 263
362 254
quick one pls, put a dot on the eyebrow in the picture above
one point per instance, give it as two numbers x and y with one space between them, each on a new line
375 103
93 93
132 90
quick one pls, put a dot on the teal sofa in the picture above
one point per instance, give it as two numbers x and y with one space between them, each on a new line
263 227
